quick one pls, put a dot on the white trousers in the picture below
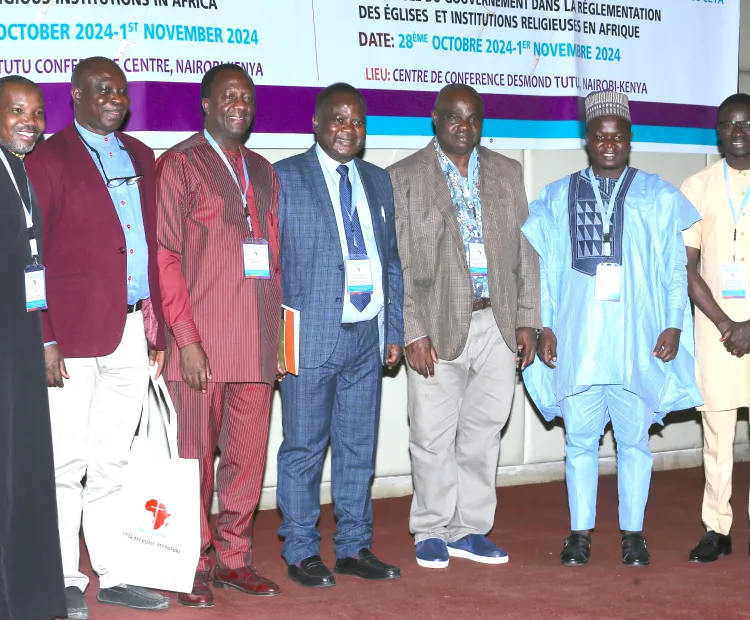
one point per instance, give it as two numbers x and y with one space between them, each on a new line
94 419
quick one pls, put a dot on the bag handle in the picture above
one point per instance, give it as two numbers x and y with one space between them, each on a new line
169 417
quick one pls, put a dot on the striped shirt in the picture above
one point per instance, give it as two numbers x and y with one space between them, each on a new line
200 229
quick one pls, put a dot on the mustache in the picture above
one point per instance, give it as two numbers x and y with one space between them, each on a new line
27 129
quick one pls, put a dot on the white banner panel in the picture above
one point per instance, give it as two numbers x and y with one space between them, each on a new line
532 60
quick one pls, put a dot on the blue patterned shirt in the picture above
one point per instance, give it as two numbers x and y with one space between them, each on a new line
465 195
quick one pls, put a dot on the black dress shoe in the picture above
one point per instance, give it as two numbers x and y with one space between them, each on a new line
576 550
635 551
134 597
311 573
366 566
711 547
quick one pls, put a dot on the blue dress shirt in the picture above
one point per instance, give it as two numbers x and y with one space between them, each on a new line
329 165
127 202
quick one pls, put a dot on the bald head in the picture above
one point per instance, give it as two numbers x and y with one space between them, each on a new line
458 115
462 91
92 65
100 95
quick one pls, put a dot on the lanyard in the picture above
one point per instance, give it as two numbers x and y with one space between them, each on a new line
243 195
735 214
26 210
606 212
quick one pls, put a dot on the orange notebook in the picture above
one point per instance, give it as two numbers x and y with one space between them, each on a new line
288 352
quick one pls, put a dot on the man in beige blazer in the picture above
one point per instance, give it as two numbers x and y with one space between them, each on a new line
471 301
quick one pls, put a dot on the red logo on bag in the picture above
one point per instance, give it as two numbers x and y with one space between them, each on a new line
160 513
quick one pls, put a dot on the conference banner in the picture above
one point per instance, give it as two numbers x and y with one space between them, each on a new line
533 61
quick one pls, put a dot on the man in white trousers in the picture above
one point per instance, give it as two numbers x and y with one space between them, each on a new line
96 190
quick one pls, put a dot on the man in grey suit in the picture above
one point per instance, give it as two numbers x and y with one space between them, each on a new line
471 301
340 269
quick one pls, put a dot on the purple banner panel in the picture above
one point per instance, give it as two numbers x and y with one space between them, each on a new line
175 106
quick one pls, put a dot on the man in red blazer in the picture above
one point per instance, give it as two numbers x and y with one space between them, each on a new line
218 256
96 189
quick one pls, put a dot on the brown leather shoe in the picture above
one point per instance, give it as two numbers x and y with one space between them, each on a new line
245 579
201 596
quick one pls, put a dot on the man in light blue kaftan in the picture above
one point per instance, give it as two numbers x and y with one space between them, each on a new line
614 284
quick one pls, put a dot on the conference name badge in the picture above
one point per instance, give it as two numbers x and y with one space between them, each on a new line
36 288
608 282
733 281
477 259
256 259
358 275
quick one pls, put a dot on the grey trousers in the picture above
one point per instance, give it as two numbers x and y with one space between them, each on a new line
455 421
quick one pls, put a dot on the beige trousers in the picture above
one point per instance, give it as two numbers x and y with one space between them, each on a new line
455 421
718 460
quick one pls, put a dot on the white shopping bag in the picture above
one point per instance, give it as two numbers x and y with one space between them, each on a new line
159 534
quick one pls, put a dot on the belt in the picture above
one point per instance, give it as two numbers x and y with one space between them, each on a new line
135 307
480 304
353 325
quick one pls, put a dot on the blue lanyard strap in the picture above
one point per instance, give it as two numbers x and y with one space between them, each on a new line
243 195
735 214
605 211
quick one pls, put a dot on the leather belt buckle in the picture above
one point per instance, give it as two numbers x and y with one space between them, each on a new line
480 304
135 307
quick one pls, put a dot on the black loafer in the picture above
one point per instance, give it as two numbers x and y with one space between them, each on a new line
311 573
76 604
711 547
366 566
634 550
133 597
576 550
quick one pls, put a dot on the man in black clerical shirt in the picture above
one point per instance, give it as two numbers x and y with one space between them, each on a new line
32 587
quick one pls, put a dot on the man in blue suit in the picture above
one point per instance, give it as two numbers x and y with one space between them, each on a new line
340 269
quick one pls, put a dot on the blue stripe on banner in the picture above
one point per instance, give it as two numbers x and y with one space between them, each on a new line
675 135
503 128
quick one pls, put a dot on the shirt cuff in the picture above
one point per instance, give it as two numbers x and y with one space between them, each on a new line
185 333
415 339
675 316
46 344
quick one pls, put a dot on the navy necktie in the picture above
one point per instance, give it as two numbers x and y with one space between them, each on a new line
355 241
